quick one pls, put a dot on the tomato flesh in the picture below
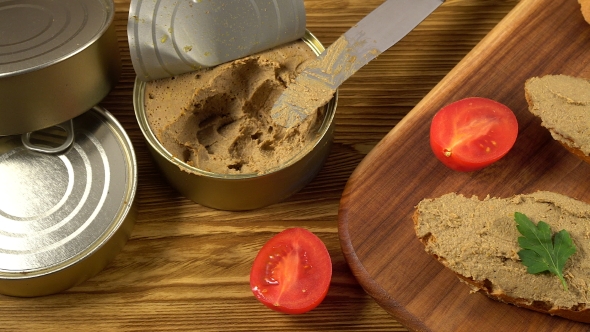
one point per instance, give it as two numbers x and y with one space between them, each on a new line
292 272
472 133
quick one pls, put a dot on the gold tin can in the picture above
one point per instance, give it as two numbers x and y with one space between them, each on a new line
64 216
237 192
58 59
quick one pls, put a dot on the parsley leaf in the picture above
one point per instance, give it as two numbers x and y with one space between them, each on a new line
540 252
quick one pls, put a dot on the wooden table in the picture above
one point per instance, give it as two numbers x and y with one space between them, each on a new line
186 266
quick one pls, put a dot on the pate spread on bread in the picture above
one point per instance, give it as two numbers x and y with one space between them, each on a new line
478 240
562 103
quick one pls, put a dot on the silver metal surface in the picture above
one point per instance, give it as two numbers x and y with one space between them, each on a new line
62 146
172 37
57 210
58 59
38 33
374 34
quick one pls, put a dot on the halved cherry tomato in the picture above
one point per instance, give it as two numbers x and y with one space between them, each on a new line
292 272
472 133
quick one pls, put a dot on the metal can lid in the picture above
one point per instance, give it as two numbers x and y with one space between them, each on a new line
58 209
38 33
172 37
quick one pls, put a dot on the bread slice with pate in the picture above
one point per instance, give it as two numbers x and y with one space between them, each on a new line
478 240
562 103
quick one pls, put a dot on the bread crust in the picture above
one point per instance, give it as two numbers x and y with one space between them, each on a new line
577 152
485 287
585 4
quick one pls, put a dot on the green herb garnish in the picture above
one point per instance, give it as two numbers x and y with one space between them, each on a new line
540 252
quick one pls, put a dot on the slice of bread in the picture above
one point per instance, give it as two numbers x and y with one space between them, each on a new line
562 103
585 9
478 240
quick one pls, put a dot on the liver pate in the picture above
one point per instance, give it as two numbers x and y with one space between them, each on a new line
218 119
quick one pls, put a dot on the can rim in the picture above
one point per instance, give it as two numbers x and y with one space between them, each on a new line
138 106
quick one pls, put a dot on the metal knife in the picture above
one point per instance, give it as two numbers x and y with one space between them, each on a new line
374 34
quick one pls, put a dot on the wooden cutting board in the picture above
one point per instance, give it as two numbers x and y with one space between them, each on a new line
537 37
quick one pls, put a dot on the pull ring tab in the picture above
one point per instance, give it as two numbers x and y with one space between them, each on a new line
67 126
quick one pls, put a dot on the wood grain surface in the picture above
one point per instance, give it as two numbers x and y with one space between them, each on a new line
538 37
186 267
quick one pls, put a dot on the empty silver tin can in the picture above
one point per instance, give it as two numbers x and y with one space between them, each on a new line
58 59
64 216
237 192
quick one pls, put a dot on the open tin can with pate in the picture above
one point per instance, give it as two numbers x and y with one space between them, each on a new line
245 191
68 173
172 40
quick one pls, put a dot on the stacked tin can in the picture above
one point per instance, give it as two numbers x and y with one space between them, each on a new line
68 174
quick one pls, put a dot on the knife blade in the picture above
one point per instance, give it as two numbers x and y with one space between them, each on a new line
374 34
